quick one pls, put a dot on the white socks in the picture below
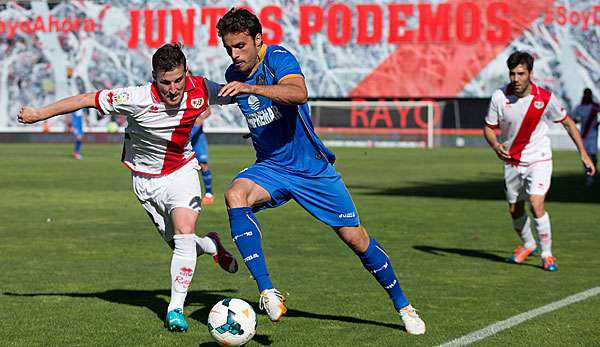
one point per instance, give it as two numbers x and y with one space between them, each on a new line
183 265
205 245
523 229
542 225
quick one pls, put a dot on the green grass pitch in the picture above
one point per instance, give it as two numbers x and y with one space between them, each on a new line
81 265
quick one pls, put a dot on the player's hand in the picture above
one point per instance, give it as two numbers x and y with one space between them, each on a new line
29 115
501 152
235 88
590 168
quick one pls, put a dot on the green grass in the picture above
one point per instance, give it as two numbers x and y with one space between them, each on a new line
82 265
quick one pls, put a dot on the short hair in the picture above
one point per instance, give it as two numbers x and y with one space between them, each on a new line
168 58
588 97
518 58
239 20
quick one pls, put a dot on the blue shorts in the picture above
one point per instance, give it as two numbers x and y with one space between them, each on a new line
324 196
199 143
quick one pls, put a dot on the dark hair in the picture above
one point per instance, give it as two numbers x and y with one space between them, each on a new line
168 58
239 20
518 58
587 98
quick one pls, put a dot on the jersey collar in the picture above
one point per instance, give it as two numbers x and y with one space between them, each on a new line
261 56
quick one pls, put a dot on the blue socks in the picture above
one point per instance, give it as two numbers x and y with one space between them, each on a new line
207 178
77 146
245 231
378 264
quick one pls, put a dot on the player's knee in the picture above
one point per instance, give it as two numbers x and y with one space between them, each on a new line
355 237
536 204
185 229
235 197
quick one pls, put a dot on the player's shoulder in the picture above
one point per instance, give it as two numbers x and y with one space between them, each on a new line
277 52
232 75
501 93
542 91
195 83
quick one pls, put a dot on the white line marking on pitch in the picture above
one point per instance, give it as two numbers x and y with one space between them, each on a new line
520 318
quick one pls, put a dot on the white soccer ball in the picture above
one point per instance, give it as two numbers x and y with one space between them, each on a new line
232 322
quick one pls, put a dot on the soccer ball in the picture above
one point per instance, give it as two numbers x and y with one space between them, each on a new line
232 322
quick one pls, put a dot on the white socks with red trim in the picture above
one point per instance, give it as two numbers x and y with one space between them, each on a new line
205 245
542 225
183 265
523 228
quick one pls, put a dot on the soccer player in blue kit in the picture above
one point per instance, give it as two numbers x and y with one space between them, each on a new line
76 127
291 163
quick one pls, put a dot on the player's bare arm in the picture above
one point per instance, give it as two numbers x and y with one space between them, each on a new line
492 140
290 91
30 115
576 137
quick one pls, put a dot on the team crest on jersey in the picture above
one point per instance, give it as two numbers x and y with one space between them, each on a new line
253 102
538 104
121 98
197 102
260 79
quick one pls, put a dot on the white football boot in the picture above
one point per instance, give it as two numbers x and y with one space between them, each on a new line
272 301
412 322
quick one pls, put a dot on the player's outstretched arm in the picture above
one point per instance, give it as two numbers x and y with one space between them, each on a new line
290 91
492 140
574 134
29 115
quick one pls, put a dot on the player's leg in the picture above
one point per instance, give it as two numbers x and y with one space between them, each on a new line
522 226
328 200
78 133
208 198
538 183
514 186
183 265
244 193
200 145
376 261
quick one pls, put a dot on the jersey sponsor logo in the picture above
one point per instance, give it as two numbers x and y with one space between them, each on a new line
263 117
122 98
197 102
254 102
347 215
538 104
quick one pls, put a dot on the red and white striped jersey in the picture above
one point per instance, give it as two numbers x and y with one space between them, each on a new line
157 138
523 122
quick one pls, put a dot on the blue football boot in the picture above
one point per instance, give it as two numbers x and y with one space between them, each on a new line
175 321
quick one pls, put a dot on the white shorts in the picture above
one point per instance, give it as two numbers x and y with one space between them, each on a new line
160 195
522 181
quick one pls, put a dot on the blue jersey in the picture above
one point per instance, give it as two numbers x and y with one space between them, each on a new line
282 135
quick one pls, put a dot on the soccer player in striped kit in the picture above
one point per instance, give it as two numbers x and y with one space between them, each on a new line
157 150
522 111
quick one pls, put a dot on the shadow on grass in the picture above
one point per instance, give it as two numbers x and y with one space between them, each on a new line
565 188
465 252
155 301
